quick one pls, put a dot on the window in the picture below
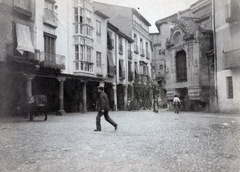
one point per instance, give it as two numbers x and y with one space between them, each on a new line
135 39
79 57
98 31
144 70
135 44
130 72
48 5
141 43
88 31
89 54
78 20
161 67
129 46
76 52
229 87
110 41
141 47
160 52
181 66
120 45
88 17
78 15
98 27
98 59
146 47
81 52
83 58
49 43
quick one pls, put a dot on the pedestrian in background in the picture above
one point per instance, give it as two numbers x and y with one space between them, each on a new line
176 103
103 108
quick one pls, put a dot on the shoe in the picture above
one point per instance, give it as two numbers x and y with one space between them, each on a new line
97 130
116 127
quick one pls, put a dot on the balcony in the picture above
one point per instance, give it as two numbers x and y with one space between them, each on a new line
137 78
142 52
130 76
52 60
130 55
22 7
136 49
51 1
99 71
232 60
121 49
148 55
159 76
144 78
232 13
50 18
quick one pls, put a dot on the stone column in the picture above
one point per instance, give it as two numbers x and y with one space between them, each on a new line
29 85
84 94
61 110
114 86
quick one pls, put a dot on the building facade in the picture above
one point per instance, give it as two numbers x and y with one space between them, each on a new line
188 40
64 50
136 27
227 33
23 60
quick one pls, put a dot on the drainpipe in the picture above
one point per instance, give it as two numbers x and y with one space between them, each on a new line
215 54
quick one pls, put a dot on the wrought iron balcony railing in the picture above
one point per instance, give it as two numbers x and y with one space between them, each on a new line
50 18
148 55
52 60
120 49
136 49
142 52
137 78
99 71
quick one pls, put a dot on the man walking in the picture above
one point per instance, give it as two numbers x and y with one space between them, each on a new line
176 103
103 108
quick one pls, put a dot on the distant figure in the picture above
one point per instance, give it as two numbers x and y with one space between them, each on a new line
176 103
103 108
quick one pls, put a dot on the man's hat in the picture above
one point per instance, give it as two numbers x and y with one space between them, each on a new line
100 86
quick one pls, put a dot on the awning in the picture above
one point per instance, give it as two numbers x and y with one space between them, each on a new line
24 42
123 69
111 65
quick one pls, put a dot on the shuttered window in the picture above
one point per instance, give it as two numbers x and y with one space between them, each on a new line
229 87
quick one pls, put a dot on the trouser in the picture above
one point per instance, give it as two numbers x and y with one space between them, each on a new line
176 107
107 118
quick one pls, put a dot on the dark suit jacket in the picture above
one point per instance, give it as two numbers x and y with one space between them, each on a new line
103 103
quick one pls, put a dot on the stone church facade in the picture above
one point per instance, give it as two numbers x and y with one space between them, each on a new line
187 50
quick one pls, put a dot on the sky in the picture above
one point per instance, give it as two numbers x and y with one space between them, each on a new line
153 10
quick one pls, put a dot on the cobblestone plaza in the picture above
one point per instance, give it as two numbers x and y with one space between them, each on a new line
144 141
